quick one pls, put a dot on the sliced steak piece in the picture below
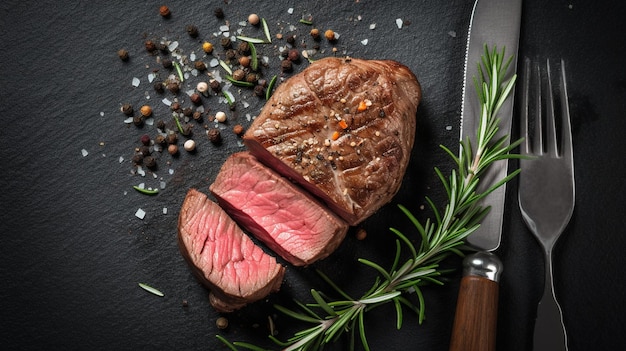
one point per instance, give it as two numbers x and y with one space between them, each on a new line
279 213
222 257
343 129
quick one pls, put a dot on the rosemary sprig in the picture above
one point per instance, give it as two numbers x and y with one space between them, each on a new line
332 318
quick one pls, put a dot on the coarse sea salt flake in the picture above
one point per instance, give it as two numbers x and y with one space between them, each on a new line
151 77
399 23
121 159
84 152
224 28
364 41
128 120
164 210
448 127
141 214
101 114
290 10
452 33
173 45
214 62
136 82
373 26
167 102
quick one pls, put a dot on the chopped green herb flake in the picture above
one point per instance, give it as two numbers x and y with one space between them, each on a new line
146 191
150 289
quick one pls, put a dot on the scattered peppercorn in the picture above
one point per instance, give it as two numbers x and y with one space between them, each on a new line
220 116
164 11
361 234
291 39
315 33
195 98
146 110
207 47
189 145
145 139
218 12
221 323
226 42
214 136
254 19
150 46
158 87
243 48
259 90
244 61
329 35
239 74
137 158
172 138
231 54
138 121
251 78
123 54
197 116
200 66
172 149
192 31
187 128
159 139
286 66
144 150
173 87
161 125
202 87
185 303
215 86
187 111
175 106
163 47
238 129
294 55
127 109
167 63
149 161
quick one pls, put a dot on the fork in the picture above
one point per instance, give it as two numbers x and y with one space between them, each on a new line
546 188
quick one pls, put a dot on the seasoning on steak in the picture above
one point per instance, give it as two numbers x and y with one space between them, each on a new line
279 213
222 257
343 129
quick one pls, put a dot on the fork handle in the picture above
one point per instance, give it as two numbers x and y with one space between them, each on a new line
476 315
549 331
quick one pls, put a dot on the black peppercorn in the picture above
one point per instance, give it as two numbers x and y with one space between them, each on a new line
243 48
291 39
259 90
159 139
171 138
163 48
218 12
137 159
192 31
161 125
199 65
226 42
138 121
145 139
127 109
197 116
150 46
123 54
239 74
149 161
231 54
251 78
214 136
175 106
158 87
173 87
294 55
215 86
187 128
144 150
187 111
195 98
286 66
167 63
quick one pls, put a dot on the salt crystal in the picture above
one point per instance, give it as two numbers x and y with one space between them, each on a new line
214 62
140 171
452 33
151 77
246 104
190 92
128 120
170 171
141 214
167 102
84 152
243 23
290 10
173 45
373 25
150 121
164 210
192 56
248 117
141 185
136 82
240 143
399 23
101 114
224 28
364 41
121 159
448 127
200 109
337 35
162 185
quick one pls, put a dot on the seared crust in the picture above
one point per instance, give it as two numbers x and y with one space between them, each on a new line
344 130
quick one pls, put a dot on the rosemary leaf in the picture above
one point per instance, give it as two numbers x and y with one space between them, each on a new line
266 30
150 289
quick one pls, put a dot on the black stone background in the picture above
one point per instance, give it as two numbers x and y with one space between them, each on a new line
72 251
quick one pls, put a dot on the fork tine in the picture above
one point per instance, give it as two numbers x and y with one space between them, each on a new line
525 146
537 145
566 138
551 142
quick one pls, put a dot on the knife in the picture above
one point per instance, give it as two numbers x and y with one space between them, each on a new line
493 23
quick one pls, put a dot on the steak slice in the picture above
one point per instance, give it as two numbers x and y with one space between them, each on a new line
279 213
222 257
343 129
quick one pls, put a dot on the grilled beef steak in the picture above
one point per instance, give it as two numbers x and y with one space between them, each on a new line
282 215
343 129
223 258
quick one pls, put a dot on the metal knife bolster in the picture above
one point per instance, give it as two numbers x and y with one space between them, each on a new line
483 264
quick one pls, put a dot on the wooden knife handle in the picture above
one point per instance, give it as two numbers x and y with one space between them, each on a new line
476 315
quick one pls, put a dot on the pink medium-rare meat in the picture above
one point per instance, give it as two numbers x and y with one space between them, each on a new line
286 218
222 257
343 128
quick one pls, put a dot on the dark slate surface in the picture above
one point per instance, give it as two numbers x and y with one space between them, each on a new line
72 251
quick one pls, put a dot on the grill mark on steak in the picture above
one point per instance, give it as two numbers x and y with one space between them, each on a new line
222 257
294 132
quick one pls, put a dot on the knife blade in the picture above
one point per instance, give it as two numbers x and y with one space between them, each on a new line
493 23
